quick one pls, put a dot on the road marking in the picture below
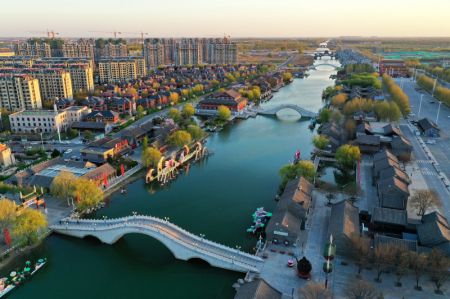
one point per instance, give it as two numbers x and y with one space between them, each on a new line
428 172
424 161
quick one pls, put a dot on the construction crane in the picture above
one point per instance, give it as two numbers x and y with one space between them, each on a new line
115 33
142 34
50 33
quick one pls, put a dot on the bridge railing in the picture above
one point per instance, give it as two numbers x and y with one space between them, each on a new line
119 222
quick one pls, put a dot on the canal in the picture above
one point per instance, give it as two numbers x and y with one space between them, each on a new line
215 198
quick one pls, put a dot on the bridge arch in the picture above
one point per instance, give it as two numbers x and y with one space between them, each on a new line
274 110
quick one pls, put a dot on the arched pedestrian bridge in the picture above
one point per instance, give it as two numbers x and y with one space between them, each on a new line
184 245
274 110
314 66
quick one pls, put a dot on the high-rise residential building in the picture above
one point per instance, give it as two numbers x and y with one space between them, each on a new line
82 76
19 91
112 50
189 51
83 48
114 70
6 52
33 49
54 83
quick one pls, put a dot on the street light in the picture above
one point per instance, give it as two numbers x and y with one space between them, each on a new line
439 109
202 236
166 219
420 106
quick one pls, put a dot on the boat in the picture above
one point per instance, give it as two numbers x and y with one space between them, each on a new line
260 218
15 279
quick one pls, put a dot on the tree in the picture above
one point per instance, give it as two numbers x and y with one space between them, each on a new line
287 77
361 289
324 115
28 225
350 127
321 142
88 135
418 264
180 138
339 100
7 213
174 97
188 111
63 186
139 112
315 291
223 113
196 132
87 194
423 199
336 116
150 156
174 114
55 153
361 248
439 264
384 255
72 133
347 155
304 168
401 263
144 143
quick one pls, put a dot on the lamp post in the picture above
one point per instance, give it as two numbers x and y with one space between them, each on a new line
437 114
329 252
166 219
420 106
202 236
434 86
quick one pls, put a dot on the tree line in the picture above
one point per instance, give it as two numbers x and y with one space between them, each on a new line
397 94
442 93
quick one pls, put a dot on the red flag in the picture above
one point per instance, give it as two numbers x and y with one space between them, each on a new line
7 237
105 180
122 169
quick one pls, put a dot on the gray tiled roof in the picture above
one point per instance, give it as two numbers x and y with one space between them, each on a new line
257 289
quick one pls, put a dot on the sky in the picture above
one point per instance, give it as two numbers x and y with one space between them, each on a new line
237 18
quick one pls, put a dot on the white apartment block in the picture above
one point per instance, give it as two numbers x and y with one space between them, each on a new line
34 49
83 48
115 70
18 92
82 76
46 121
54 83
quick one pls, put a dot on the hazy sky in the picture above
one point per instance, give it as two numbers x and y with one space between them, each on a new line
238 18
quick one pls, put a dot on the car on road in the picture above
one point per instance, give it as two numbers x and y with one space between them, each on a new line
432 102
68 151
431 141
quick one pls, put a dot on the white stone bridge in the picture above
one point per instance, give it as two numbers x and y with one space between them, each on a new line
274 110
183 245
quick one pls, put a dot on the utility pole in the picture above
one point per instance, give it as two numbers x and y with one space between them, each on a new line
434 86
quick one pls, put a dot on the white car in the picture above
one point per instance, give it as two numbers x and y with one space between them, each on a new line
68 151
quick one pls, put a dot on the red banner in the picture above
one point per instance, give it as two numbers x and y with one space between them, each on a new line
105 180
7 237
122 169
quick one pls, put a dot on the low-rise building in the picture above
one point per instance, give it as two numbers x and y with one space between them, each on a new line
344 223
429 128
99 151
6 157
231 99
107 116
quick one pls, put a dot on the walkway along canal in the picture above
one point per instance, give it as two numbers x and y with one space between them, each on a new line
215 199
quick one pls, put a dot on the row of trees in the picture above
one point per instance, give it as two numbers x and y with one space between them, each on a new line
358 289
189 130
24 227
253 93
363 80
442 93
359 68
384 110
397 94
86 193
403 261
304 168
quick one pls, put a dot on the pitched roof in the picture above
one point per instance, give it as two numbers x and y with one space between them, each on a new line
396 172
390 216
426 124
105 169
433 233
387 184
257 289
368 139
382 155
344 219
435 216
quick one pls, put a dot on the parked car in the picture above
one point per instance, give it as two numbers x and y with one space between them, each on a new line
68 151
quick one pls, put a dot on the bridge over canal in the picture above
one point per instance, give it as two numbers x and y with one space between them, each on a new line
274 110
183 244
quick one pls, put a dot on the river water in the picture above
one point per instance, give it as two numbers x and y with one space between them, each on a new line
216 198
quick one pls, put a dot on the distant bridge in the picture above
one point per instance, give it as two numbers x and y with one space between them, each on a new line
274 110
314 66
182 244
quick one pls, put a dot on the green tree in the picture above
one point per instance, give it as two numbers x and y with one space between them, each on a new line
324 115
55 153
139 112
188 111
196 132
87 194
28 225
150 156
180 138
223 113
347 155
287 77
304 168
88 135
144 143
174 114
63 186
72 133
321 142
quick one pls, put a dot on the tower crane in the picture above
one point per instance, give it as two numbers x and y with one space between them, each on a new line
50 33
115 33
142 34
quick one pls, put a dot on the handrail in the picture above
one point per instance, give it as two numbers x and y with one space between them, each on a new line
165 228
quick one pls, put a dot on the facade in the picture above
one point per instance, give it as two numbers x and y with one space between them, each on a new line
18 92
6 157
344 222
82 76
230 98
393 67
115 70
6 52
110 50
429 128
106 116
54 83
46 121
83 48
34 49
